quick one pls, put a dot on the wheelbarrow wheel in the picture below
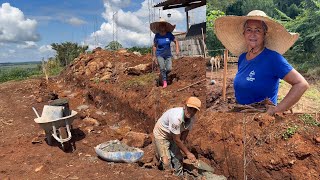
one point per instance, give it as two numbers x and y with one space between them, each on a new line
64 134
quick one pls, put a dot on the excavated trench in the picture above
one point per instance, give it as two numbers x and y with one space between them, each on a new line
259 145
108 102
217 138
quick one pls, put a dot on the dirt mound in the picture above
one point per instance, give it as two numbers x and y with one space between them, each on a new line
189 68
135 96
274 148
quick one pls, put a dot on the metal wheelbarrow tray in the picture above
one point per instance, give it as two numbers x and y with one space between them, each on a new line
63 125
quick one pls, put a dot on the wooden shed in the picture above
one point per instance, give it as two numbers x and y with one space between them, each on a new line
192 42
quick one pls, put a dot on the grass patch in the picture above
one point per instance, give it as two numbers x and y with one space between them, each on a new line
18 73
55 71
308 119
290 131
25 70
139 81
313 93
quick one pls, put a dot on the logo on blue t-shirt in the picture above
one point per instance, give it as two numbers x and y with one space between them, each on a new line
163 44
251 76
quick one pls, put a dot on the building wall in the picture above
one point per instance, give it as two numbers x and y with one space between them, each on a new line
189 47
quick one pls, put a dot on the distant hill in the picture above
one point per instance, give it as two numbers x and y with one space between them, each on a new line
20 63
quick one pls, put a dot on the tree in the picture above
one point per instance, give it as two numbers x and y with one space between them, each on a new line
113 45
67 51
243 7
212 41
142 50
306 51
219 4
289 7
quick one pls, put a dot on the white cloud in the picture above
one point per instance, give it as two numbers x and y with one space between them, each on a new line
11 51
46 49
42 18
27 45
4 55
198 15
14 27
117 4
76 21
131 27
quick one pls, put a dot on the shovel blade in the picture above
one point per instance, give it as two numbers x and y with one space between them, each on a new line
204 166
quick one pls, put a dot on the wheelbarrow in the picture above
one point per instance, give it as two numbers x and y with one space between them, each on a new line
55 125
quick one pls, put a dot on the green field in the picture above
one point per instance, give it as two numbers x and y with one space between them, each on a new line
23 65
19 71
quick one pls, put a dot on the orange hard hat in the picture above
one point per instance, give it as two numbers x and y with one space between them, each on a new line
194 102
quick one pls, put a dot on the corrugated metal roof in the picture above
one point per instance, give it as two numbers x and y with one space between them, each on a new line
195 30
189 4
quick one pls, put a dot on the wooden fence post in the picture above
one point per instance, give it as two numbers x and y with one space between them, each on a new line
225 64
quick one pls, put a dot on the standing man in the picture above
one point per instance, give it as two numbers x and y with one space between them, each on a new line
161 47
170 133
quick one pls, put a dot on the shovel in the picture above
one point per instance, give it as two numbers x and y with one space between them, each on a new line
203 166
200 165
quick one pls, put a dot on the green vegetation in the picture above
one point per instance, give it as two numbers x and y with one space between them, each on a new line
113 45
24 70
139 81
142 50
290 131
18 71
66 52
313 94
96 80
308 119
280 98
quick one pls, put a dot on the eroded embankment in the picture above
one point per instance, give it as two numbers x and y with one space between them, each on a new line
280 148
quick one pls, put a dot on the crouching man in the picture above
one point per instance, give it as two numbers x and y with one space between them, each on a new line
170 133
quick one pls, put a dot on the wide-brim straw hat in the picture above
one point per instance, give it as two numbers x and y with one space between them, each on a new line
229 30
155 26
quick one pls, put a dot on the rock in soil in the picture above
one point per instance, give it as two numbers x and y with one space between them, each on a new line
137 139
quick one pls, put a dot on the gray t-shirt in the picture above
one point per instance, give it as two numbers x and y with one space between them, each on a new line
172 122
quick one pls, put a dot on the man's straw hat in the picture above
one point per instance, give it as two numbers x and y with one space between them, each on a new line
194 102
229 30
155 26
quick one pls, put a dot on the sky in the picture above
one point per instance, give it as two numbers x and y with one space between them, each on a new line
27 28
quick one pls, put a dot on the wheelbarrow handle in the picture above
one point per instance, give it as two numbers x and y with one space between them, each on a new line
35 111
55 133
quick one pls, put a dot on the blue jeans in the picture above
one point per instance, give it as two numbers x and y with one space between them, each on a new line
165 65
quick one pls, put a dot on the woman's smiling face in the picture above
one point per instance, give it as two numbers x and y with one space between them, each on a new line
254 34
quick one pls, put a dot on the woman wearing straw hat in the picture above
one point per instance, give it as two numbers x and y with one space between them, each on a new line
161 47
260 41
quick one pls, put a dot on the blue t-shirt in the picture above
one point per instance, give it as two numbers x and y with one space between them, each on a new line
163 44
258 78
